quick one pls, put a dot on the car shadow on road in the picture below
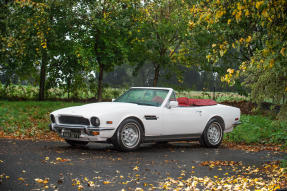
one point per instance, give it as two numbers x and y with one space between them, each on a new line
146 147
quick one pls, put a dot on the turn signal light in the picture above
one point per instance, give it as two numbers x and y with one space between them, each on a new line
95 133
236 119
109 122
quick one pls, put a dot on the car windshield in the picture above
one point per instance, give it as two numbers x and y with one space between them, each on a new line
140 96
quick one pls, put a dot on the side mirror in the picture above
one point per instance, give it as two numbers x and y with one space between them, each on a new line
173 104
113 100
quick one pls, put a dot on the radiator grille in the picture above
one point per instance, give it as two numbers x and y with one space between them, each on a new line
74 120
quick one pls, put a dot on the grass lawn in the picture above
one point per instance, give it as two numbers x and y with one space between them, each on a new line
31 119
27 118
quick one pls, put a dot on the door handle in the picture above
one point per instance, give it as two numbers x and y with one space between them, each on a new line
200 112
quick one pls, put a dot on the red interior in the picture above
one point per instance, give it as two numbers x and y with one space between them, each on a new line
185 102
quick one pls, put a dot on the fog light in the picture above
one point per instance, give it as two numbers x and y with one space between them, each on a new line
95 133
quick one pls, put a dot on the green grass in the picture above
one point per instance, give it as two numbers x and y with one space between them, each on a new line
27 118
259 129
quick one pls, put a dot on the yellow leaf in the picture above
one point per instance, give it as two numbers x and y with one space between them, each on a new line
45 181
213 45
230 70
80 187
221 52
249 38
136 168
271 63
21 179
229 21
208 57
106 182
265 13
283 51
39 180
91 184
247 13
258 4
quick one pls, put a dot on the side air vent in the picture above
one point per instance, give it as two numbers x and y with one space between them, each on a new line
150 117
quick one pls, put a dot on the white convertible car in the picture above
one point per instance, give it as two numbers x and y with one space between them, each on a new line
145 114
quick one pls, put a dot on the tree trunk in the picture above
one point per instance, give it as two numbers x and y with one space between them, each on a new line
43 76
100 82
156 75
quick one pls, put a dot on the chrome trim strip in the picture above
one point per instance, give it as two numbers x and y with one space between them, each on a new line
89 128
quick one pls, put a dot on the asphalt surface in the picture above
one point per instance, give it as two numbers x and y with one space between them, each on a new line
66 168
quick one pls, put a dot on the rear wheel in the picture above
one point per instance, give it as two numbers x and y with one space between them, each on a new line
128 136
76 143
213 133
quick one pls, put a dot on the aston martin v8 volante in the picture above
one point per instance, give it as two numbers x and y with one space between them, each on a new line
146 114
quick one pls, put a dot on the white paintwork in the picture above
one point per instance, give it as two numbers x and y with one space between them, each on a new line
170 120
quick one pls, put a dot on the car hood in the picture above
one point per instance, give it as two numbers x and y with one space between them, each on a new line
95 109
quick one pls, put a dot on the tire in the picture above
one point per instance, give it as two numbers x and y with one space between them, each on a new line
128 136
213 133
201 141
76 143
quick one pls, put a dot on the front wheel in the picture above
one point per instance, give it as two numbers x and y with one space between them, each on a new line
213 133
128 136
76 143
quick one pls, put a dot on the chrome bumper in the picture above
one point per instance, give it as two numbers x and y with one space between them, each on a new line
236 123
86 132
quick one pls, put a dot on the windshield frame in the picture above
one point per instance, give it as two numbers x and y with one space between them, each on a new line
163 104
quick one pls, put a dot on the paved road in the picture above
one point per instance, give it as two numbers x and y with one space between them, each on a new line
21 162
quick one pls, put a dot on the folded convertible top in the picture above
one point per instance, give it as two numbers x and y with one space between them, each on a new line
184 101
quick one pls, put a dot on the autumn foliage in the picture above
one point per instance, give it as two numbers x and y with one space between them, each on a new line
252 32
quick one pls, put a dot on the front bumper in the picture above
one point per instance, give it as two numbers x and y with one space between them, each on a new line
85 132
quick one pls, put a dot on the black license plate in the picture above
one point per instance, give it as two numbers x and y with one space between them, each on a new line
71 134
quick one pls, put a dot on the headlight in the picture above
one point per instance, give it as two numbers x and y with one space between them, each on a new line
53 118
95 121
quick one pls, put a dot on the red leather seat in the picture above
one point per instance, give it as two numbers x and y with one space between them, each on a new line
157 99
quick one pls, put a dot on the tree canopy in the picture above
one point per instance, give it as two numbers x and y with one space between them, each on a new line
75 44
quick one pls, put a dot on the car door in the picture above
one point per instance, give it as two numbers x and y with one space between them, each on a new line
183 120
152 118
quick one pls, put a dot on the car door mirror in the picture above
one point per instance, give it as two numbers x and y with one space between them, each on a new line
173 104
113 100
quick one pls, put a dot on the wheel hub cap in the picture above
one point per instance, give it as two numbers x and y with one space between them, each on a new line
214 133
130 135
